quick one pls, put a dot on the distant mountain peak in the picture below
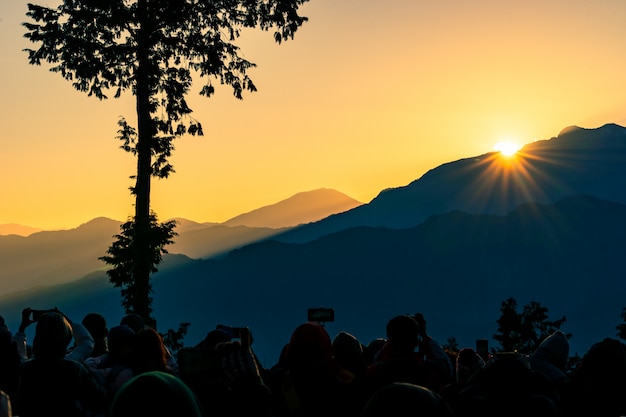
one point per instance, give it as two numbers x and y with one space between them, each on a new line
567 130
577 161
301 208
17 229
609 135
608 127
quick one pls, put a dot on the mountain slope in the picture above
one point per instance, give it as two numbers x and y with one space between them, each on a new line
578 161
17 229
456 268
304 207
217 240
55 257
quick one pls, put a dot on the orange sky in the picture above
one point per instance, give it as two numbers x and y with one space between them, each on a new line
370 95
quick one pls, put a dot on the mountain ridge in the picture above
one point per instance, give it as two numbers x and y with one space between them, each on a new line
456 268
543 171
285 212
60 256
562 246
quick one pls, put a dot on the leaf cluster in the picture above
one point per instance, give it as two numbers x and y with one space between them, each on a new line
174 339
124 251
523 332
95 44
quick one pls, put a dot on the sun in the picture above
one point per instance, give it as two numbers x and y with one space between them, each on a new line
507 147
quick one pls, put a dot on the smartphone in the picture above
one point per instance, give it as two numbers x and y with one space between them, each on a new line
321 314
482 346
232 332
37 314
482 349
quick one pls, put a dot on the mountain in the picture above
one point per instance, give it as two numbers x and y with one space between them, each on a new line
210 240
577 161
455 268
304 207
217 240
55 257
92 293
17 229
548 225
49 258
185 225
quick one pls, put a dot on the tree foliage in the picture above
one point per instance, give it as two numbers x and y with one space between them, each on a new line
174 339
523 332
152 48
122 255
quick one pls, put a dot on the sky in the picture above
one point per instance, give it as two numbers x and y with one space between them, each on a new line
371 94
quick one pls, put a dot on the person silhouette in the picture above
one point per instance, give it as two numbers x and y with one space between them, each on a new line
51 384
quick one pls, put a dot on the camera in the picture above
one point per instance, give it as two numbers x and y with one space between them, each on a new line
321 314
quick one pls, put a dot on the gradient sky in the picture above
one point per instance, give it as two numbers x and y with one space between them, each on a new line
370 95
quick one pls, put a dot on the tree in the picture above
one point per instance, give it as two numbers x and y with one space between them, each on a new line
152 48
523 332
451 345
174 339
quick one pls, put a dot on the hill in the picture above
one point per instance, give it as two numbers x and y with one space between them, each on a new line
577 161
304 207
548 225
455 268
50 258
17 229
56 257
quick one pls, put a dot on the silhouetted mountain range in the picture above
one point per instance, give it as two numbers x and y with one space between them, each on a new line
50 258
17 229
55 257
456 268
546 226
305 207
577 161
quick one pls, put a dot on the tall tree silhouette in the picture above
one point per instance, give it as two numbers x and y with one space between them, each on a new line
152 48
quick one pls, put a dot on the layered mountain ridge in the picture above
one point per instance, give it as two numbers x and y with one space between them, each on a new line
548 225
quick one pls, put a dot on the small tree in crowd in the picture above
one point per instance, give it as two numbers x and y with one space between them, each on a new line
523 332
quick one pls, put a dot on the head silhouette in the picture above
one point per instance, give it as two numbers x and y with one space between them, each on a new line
401 399
53 334
310 345
96 325
403 333
155 394
134 321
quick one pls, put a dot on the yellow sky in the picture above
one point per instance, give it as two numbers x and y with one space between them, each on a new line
370 95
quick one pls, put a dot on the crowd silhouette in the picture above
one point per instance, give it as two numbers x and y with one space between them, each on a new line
84 368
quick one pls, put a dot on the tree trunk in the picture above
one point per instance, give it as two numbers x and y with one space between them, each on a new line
145 133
